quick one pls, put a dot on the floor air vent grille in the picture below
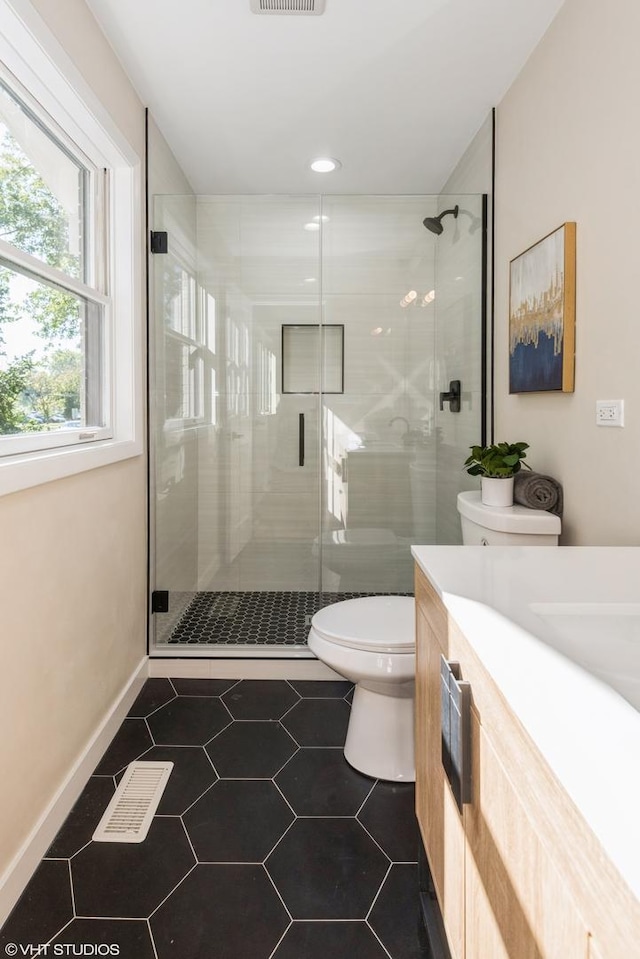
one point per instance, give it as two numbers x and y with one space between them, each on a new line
128 816
309 7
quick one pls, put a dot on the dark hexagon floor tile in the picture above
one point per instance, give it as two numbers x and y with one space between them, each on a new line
389 815
260 699
192 774
78 827
327 869
220 912
130 936
43 909
131 740
320 782
321 689
321 940
396 918
154 693
237 820
317 722
129 880
253 749
188 721
202 687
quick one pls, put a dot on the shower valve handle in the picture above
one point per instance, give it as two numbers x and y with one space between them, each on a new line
452 397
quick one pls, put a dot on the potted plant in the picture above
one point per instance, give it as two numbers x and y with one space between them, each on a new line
496 465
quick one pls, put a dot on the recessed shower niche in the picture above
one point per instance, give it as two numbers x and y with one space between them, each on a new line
298 446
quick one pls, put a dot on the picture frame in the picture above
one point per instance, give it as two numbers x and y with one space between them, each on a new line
542 314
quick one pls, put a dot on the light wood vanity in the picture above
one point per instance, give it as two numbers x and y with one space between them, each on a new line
518 873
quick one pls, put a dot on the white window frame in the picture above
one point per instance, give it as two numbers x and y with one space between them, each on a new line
33 56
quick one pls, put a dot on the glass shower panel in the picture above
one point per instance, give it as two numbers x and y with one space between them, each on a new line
379 435
176 408
260 265
459 351
298 349
245 521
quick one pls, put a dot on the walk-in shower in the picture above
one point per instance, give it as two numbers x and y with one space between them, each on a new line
299 346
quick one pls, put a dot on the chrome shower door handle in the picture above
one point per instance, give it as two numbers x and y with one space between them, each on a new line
452 397
300 439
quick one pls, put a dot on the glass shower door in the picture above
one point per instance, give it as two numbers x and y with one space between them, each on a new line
237 542
299 349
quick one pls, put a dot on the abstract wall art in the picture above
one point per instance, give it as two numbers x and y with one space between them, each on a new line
542 296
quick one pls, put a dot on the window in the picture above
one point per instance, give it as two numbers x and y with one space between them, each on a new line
53 361
70 289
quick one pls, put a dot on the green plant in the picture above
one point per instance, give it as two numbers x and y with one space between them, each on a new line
498 460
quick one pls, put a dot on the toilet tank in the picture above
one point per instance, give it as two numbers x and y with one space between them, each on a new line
505 526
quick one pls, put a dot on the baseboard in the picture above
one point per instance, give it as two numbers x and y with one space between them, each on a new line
241 669
25 862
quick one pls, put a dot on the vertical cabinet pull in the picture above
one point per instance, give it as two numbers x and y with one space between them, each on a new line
300 439
455 721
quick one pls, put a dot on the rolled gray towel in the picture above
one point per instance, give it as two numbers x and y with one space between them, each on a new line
537 491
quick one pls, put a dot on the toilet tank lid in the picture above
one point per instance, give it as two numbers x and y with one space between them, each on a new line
369 622
507 519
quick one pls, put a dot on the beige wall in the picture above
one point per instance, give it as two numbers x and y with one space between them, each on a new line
72 560
567 149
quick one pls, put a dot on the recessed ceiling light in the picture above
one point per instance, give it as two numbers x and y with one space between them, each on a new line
310 279
324 165
321 218
377 331
312 227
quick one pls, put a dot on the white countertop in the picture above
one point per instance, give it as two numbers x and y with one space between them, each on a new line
559 631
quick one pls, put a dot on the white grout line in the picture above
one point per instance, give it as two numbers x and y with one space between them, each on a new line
55 935
286 908
373 839
154 911
375 898
374 933
208 789
277 945
153 942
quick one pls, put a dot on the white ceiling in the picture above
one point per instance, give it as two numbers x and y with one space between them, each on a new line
395 89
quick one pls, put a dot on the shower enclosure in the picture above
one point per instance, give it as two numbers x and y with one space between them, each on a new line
303 427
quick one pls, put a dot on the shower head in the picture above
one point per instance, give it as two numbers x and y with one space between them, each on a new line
434 224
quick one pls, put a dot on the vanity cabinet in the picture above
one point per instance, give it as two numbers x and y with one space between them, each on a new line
518 874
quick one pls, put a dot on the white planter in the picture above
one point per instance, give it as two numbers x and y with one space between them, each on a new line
497 490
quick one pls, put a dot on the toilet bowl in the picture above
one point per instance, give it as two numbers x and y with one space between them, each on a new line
371 641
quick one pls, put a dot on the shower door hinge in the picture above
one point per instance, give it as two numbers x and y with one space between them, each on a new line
160 601
159 241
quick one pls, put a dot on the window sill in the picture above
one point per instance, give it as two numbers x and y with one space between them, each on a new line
33 469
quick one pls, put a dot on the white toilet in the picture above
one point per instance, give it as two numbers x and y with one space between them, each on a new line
505 526
371 641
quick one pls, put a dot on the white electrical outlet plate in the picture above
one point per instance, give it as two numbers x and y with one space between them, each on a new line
609 412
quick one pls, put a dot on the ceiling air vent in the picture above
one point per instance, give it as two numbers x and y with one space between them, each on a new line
308 7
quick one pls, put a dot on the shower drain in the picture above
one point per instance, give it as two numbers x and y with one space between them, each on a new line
128 816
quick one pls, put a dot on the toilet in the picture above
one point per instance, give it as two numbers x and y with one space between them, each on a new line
371 641
505 526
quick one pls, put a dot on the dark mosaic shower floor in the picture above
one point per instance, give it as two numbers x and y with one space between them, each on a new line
266 844
254 618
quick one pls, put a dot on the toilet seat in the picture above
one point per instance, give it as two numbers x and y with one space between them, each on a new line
376 624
